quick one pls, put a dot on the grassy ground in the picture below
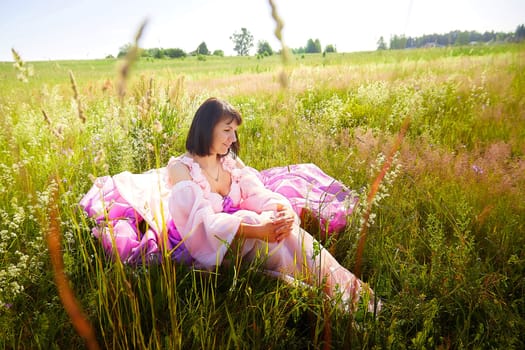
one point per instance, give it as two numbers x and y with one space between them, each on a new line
445 245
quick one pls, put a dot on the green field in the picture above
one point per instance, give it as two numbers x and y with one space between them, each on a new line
445 246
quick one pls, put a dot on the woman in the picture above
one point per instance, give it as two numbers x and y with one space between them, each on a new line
207 201
215 201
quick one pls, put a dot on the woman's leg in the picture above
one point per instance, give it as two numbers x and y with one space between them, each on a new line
305 259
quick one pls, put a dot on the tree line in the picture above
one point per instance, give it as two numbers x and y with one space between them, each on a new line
243 42
452 38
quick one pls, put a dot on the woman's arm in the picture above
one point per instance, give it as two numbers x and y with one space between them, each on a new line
177 172
271 229
258 198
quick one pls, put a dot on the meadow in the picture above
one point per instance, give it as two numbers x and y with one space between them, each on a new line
444 244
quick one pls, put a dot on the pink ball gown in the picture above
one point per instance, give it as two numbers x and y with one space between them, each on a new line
141 216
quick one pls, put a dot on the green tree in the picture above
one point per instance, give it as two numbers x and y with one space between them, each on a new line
264 48
243 42
330 48
219 53
381 45
398 42
124 49
154 52
202 49
158 53
463 38
174 53
520 32
313 46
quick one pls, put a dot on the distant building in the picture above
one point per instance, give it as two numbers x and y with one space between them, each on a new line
433 44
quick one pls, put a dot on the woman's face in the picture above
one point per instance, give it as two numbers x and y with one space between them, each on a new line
223 136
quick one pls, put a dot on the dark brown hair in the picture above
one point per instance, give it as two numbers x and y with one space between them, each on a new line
200 135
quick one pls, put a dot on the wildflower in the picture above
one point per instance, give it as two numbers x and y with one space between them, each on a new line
68 152
99 157
477 169
157 126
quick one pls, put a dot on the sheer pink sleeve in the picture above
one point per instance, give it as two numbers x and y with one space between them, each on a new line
205 230
255 196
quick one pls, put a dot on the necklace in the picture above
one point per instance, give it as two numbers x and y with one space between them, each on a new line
216 178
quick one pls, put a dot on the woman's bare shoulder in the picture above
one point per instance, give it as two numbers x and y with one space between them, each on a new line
178 172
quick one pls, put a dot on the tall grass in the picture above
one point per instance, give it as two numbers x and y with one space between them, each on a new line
444 247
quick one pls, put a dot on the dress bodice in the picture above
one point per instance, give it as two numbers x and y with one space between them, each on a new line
218 201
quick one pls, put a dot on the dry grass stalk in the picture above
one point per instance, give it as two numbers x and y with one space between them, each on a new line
129 60
373 191
46 118
327 330
176 91
144 108
71 305
24 70
48 122
107 85
77 97
283 77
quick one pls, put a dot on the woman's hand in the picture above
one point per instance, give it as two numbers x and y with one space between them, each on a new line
282 223
275 229
272 228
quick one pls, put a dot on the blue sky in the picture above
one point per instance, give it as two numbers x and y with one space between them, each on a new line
83 29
